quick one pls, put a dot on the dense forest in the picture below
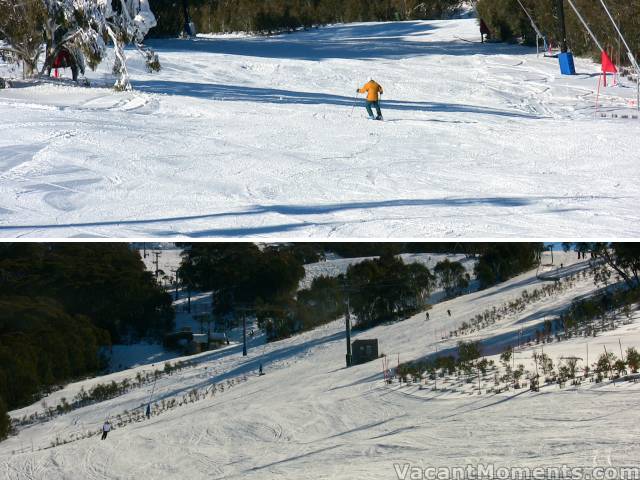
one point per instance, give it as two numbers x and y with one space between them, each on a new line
263 16
60 303
241 274
507 21
501 261
263 280
314 251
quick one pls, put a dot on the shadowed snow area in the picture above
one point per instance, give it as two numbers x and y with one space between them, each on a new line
244 136
309 417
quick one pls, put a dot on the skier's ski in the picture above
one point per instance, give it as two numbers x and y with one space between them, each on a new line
465 40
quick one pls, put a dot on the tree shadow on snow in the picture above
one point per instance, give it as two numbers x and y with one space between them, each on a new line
309 210
237 93
303 210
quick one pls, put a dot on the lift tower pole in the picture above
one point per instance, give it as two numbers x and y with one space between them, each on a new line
156 263
347 324
244 333
563 26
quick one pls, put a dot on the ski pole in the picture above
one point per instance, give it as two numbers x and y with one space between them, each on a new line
355 102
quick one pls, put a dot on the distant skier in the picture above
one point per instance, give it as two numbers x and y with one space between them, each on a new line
427 314
373 90
484 30
260 372
106 428
148 411
449 312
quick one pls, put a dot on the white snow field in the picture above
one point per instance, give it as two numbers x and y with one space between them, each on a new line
309 417
257 137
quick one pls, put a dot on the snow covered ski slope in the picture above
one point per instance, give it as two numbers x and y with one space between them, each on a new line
309 417
243 136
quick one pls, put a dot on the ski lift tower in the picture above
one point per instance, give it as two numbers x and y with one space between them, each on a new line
156 263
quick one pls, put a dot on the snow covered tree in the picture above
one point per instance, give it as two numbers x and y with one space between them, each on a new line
78 27
83 27
128 24
21 30
88 26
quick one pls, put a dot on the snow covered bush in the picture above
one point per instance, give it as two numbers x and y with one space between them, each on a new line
604 363
633 359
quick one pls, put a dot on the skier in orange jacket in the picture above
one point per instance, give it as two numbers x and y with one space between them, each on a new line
373 90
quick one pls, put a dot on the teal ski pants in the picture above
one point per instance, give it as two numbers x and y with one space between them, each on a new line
375 104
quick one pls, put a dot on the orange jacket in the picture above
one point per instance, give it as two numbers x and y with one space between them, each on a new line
373 91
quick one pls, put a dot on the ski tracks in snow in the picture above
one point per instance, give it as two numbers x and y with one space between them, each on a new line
256 143
23 467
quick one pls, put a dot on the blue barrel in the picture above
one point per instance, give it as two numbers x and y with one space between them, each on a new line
567 66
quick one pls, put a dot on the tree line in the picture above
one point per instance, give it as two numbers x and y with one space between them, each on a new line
60 304
263 281
507 21
499 262
259 16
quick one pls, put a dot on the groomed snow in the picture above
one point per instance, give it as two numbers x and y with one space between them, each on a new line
309 417
256 137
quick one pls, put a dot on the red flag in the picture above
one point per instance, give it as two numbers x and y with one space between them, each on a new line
607 66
